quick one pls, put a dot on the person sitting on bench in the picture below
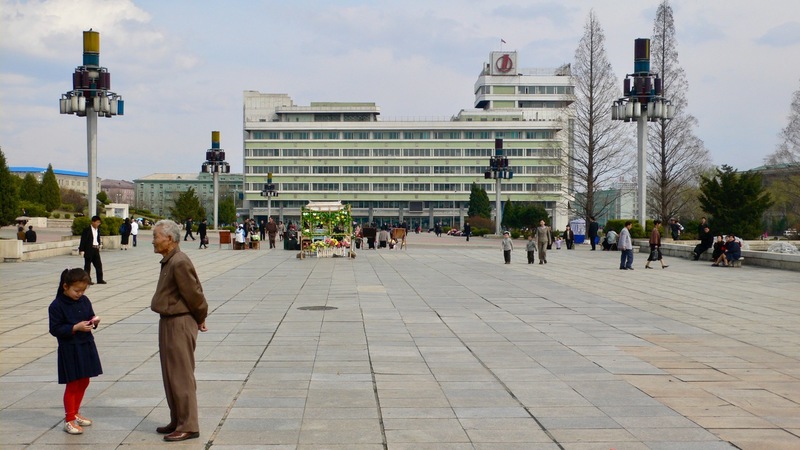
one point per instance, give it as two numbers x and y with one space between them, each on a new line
733 251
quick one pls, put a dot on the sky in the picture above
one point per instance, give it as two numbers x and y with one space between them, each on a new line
182 65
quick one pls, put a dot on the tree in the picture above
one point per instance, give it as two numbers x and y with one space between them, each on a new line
677 157
74 199
509 215
30 190
735 202
9 194
50 192
227 210
102 197
599 154
187 205
788 151
479 204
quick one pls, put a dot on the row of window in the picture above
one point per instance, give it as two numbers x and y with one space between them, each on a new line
397 152
408 187
395 170
400 135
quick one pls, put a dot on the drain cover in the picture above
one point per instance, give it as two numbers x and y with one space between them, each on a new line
316 308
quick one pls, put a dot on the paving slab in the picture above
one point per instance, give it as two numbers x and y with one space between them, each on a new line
439 346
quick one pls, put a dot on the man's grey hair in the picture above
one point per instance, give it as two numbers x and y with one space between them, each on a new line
169 228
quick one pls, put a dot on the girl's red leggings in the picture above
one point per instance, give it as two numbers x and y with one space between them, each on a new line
73 396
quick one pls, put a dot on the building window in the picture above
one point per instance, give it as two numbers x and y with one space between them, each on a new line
355 152
356 117
265 152
295 152
355 187
446 170
293 169
416 187
262 169
325 152
386 152
325 169
448 187
416 152
478 152
288 135
294 186
385 170
355 169
386 187
447 152
416 169
416 135
326 117
325 187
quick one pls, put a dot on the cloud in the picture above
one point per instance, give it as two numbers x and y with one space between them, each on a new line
784 35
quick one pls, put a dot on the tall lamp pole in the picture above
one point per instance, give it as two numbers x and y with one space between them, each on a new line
215 164
498 169
643 100
91 97
269 191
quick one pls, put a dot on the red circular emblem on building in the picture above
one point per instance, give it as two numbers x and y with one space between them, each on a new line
504 64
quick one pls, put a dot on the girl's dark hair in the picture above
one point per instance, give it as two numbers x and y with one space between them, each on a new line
70 276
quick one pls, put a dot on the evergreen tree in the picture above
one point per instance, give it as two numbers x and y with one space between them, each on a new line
30 190
509 215
227 210
676 156
479 202
9 195
598 157
735 202
50 193
187 205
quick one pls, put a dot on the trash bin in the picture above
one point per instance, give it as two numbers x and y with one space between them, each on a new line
224 237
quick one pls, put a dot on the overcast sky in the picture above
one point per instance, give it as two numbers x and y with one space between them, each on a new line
182 65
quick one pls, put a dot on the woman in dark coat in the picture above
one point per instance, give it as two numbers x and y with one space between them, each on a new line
655 246
125 231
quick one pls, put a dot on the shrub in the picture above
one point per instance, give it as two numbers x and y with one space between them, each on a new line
480 222
480 231
67 215
110 226
33 209
515 234
56 215
80 224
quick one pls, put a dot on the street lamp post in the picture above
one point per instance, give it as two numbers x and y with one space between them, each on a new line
498 169
91 97
215 164
642 101
269 191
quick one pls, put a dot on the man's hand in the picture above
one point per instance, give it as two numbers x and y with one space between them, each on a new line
202 327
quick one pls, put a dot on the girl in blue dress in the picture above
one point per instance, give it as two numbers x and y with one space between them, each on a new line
72 320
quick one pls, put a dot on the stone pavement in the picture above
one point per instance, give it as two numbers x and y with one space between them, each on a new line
440 346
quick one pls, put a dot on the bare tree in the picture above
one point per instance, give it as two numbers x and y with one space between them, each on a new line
598 156
677 157
788 151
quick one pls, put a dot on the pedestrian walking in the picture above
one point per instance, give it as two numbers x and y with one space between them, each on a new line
530 248
569 237
189 224
655 246
625 246
89 248
72 320
543 240
467 230
594 229
134 230
202 230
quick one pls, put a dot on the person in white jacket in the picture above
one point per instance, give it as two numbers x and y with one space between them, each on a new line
625 246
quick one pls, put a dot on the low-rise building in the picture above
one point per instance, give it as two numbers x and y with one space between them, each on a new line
157 192
67 179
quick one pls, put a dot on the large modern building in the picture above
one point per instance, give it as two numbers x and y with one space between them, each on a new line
419 172
67 179
158 192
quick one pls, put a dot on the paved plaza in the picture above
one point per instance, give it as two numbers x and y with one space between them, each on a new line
440 346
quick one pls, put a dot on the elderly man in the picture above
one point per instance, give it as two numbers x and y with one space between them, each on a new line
180 302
